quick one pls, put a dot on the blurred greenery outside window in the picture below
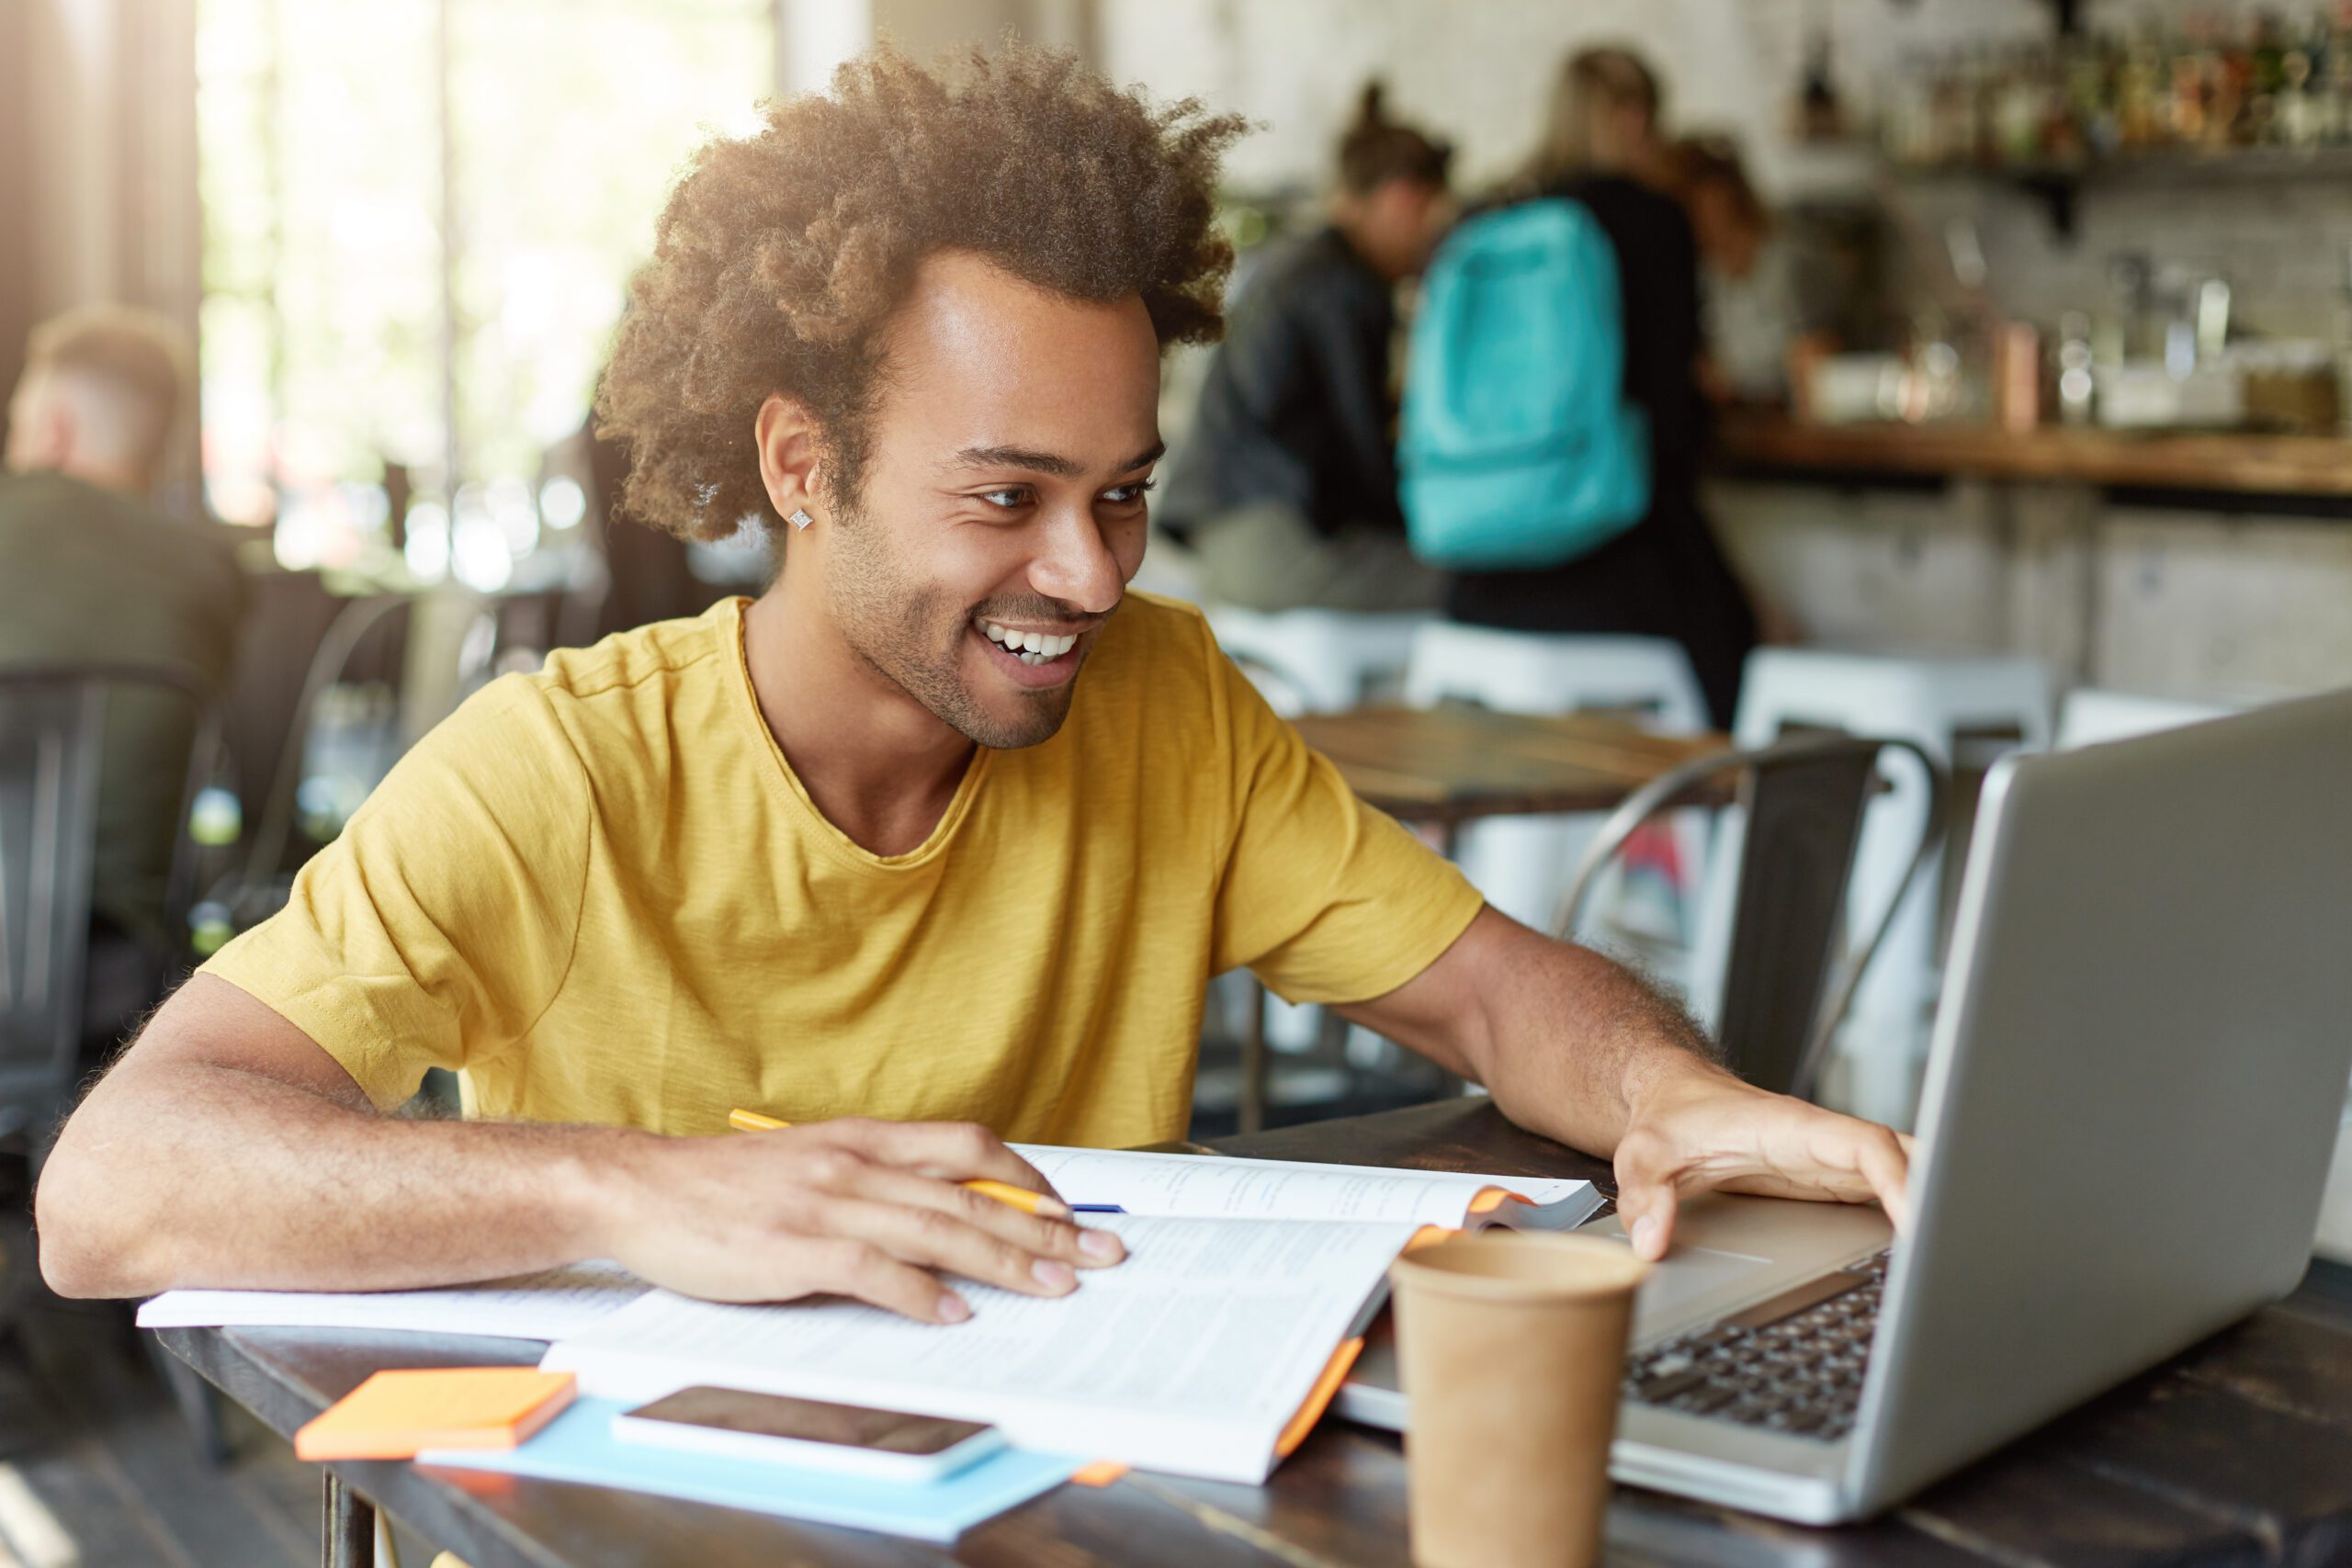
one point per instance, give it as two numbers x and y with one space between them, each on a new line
370 339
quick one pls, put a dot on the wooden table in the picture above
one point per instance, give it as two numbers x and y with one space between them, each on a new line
1456 763
2239 1451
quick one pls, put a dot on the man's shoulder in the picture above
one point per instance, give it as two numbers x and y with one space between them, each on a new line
658 659
1313 276
106 518
611 710
88 573
40 494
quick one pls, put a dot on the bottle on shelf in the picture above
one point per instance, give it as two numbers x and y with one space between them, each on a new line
2075 385
2215 82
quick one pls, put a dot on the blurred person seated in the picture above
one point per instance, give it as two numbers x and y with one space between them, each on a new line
90 572
1285 493
1666 576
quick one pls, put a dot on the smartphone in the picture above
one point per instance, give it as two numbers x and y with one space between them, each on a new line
882 1445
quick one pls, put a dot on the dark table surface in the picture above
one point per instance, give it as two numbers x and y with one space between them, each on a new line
2237 1451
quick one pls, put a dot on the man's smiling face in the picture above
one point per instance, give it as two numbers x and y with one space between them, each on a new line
1002 511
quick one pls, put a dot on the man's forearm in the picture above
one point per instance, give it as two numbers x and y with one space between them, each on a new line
190 1174
1573 1051
1570 1043
228 1148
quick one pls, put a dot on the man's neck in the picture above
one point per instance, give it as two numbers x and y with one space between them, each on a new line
880 766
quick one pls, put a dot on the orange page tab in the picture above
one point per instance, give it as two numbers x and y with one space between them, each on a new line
393 1415
1319 1397
1490 1199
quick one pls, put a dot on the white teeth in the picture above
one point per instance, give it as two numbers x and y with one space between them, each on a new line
1030 647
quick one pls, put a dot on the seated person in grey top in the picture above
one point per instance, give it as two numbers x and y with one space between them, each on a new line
91 573
1285 490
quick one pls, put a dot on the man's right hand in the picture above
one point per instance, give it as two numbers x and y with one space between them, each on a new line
228 1149
857 1208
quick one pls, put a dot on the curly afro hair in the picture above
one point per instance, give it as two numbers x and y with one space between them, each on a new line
779 257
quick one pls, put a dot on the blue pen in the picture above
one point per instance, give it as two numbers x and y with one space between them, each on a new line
1096 1209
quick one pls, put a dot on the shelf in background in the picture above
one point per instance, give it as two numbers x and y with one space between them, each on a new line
2170 165
2245 464
2059 185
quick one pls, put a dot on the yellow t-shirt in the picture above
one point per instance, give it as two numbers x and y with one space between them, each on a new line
601 894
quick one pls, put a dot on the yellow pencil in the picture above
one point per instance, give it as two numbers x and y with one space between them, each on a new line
1021 1198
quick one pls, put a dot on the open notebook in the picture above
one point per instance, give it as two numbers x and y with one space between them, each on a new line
1210 1352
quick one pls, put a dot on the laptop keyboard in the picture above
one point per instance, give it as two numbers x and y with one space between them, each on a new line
1792 1364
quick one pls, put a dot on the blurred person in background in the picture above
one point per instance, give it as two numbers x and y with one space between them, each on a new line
1666 576
90 572
1730 223
1727 218
1285 493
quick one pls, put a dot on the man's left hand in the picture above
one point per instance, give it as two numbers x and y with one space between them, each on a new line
1700 1128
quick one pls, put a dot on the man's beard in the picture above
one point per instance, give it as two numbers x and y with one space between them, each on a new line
915 639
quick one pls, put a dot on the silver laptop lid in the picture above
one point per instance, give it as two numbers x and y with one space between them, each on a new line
2139 1067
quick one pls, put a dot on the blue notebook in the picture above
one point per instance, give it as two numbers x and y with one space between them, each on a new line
578 1446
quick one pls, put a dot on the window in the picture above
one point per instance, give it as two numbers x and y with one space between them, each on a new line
420 218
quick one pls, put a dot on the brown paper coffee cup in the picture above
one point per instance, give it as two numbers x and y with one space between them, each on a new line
1511 1348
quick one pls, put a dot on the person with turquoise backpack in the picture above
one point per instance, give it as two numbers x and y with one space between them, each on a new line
1553 421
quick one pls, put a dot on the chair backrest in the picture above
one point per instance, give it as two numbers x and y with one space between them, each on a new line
1546 672
52 724
2090 716
1782 992
376 624
1331 659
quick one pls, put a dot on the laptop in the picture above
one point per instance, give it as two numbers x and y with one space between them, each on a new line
2132 1094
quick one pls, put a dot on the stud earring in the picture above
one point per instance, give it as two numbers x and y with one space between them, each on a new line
800 518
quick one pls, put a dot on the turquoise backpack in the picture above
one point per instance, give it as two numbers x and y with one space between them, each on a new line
1517 448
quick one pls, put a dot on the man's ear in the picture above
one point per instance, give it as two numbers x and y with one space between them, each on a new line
62 431
40 433
788 439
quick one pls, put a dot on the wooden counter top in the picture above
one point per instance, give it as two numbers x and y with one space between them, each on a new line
2265 465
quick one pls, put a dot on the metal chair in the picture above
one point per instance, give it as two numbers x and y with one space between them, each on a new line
52 729
52 720
1964 711
1804 800
254 887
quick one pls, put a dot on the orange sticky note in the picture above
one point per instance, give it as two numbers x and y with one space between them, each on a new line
393 1415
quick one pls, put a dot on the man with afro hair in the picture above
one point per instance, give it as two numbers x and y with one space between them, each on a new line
935 843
